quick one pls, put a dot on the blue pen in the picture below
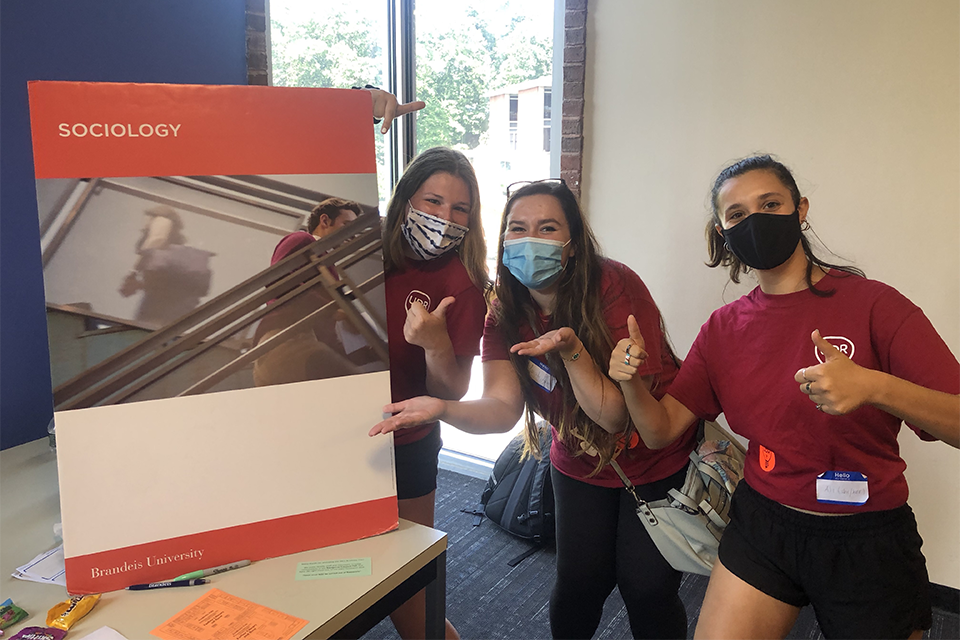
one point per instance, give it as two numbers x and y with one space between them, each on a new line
169 583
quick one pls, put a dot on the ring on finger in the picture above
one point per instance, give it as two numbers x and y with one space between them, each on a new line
820 408
626 359
808 387
803 374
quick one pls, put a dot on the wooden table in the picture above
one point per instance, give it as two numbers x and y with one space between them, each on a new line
402 563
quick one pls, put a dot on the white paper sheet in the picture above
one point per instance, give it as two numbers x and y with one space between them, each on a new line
48 568
104 633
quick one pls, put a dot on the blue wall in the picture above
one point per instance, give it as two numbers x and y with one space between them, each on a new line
174 41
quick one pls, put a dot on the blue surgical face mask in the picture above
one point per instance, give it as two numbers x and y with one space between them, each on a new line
535 262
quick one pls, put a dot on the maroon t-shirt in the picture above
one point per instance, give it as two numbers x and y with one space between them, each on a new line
743 365
306 302
622 293
290 244
427 282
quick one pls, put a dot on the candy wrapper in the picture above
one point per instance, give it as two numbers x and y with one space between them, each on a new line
10 614
39 633
65 614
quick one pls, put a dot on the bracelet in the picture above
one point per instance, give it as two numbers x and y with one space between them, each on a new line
575 356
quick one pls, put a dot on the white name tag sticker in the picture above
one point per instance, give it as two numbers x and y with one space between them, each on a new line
541 375
842 487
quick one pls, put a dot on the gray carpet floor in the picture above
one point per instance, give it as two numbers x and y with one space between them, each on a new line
489 600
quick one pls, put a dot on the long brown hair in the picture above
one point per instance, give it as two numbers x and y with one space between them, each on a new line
579 306
473 249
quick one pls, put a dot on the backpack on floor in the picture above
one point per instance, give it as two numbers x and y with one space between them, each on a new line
519 494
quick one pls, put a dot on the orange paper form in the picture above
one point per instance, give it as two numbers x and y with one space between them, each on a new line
220 616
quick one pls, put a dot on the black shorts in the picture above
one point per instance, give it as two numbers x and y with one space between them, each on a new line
863 573
417 465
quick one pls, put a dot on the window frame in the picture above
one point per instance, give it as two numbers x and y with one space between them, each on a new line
569 61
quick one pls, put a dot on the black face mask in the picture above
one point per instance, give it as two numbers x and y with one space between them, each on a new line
764 240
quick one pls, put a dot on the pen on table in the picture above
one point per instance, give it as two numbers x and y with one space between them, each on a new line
206 573
169 583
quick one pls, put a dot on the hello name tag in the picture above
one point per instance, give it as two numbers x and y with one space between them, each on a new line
842 487
541 375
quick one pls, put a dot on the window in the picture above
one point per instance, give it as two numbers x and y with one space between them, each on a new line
547 93
514 107
485 70
335 43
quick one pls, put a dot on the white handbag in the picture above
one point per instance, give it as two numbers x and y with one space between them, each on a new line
687 525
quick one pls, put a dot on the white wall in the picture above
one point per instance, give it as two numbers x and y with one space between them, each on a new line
861 98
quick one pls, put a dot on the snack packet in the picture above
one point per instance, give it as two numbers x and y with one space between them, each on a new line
64 614
39 633
10 614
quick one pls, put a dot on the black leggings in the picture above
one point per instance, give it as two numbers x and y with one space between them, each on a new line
601 544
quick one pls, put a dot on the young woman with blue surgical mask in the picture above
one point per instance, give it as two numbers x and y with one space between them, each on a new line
818 367
557 315
436 285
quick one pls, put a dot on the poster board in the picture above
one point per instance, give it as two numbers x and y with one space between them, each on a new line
162 483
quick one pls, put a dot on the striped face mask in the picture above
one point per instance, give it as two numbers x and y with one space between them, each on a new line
429 236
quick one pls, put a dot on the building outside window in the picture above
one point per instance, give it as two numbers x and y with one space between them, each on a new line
514 105
547 117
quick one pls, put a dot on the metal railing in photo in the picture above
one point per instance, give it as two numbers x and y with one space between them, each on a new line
321 264
290 204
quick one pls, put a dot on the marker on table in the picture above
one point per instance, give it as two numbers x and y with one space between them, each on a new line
169 583
206 573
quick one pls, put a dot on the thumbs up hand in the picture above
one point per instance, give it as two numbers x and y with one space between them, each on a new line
629 353
838 385
428 329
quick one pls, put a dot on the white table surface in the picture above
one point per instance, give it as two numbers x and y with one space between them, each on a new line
29 506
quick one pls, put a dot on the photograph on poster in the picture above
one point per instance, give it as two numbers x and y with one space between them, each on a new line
128 259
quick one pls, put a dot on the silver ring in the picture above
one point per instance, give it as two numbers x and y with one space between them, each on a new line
626 360
803 374
808 387
820 408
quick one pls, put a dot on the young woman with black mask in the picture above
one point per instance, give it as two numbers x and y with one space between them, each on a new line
817 367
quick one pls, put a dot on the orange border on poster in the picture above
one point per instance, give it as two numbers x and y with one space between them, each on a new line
105 130
119 568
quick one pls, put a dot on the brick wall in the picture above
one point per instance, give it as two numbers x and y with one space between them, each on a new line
574 62
257 54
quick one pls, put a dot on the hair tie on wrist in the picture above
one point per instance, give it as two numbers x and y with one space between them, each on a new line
370 86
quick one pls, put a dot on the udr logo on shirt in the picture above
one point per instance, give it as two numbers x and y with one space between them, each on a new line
844 345
419 297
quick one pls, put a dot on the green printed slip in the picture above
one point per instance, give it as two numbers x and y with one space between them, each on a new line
342 568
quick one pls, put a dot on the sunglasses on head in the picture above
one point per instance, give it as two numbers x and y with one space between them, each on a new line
513 187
